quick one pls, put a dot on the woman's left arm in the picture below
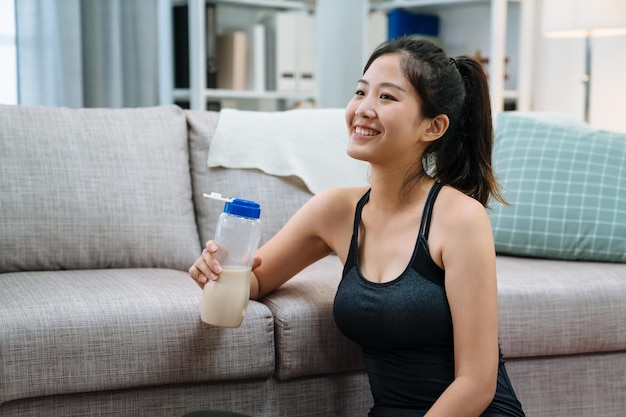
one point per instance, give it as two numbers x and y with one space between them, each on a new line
468 257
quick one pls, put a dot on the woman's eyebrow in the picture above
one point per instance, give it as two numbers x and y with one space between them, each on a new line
384 84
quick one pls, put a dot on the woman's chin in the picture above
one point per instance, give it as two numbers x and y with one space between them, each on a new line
356 153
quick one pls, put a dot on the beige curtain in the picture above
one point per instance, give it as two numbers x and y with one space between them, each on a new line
87 53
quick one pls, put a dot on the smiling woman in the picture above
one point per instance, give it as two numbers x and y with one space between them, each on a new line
8 69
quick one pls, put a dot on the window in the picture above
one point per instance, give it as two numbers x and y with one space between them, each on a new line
8 53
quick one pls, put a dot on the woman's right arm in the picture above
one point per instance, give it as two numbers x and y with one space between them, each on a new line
321 226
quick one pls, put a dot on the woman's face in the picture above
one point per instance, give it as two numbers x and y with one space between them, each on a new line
383 117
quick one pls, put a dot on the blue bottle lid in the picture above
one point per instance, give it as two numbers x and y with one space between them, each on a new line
243 208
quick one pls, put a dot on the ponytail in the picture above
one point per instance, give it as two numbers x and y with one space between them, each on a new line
463 156
458 88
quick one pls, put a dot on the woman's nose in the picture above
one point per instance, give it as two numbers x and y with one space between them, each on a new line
365 110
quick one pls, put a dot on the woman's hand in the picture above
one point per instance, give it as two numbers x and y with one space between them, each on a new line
207 267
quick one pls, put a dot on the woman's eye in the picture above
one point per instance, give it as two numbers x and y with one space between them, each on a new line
359 93
386 97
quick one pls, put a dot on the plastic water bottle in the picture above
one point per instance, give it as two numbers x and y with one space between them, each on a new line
237 234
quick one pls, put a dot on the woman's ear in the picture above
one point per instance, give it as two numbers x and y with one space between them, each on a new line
438 126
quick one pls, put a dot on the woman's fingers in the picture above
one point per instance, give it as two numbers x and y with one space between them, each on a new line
206 267
210 267
197 275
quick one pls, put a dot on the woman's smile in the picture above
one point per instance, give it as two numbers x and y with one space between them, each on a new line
365 131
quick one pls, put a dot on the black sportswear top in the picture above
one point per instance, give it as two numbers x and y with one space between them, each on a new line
405 330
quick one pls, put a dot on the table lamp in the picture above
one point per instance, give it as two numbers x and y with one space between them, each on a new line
584 19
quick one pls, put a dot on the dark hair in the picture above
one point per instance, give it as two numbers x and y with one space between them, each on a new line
457 88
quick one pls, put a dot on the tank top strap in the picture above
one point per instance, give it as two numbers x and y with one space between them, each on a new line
428 209
354 246
358 211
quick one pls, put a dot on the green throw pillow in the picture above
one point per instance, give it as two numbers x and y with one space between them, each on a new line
566 184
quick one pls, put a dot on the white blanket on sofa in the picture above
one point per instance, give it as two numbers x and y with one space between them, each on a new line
307 143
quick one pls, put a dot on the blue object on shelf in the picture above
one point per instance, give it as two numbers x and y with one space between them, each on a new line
401 23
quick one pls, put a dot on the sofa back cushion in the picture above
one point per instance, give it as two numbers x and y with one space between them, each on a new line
95 188
565 183
280 197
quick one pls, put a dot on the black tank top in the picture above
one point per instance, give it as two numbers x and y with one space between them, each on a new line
405 330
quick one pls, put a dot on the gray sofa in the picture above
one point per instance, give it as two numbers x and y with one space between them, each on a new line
101 215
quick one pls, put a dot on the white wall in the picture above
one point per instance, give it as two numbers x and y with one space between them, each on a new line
8 58
557 79
342 42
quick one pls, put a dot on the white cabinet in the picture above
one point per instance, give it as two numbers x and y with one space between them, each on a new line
502 18
227 11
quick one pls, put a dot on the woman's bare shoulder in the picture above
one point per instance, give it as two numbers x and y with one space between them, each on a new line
457 219
337 200
458 208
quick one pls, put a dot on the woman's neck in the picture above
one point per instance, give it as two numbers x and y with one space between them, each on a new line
390 192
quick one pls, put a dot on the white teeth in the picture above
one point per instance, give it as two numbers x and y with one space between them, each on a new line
365 132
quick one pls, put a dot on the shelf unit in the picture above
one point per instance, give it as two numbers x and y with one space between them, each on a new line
198 94
497 53
339 62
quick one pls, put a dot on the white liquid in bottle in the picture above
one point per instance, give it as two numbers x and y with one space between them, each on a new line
224 302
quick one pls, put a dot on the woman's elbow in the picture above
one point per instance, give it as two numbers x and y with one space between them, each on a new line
487 389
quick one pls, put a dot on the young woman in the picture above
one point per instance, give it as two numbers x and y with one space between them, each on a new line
418 291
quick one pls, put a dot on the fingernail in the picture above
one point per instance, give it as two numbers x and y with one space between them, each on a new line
213 277
212 248
217 269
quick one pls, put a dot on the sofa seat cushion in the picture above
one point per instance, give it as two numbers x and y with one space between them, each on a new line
307 339
92 330
555 307
95 188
